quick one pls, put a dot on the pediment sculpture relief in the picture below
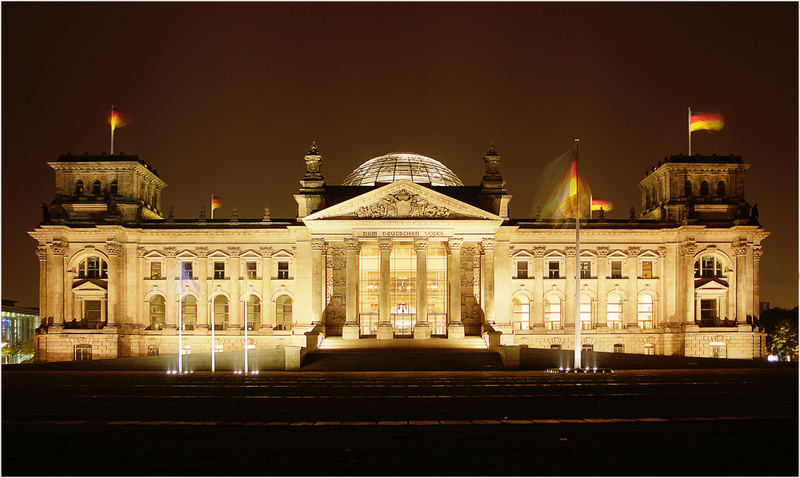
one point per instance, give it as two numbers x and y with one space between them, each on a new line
403 204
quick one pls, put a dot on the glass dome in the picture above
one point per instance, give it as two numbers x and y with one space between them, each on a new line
396 166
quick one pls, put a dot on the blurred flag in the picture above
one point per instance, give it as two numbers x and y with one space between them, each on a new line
560 187
706 122
117 119
597 204
216 202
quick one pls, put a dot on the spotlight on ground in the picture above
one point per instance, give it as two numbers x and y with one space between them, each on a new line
579 370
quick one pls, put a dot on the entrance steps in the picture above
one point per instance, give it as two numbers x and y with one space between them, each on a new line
402 354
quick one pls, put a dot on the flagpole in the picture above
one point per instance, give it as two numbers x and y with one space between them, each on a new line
577 364
212 205
180 324
689 128
213 345
244 309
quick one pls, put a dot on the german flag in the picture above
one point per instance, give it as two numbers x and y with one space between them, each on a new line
706 122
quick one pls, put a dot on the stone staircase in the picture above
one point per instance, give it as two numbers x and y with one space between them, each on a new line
402 354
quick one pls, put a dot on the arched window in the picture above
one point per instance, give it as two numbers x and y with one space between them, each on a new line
708 266
96 187
721 189
552 312
614 311
645 311
189 312
157 310
687 188
78 187
112 187
704 188
221 313
283 313
93 267
83 352
619 348
253 312
586 312
522 312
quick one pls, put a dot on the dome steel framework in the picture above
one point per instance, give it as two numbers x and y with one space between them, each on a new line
396 166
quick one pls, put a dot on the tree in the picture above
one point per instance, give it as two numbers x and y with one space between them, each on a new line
781 328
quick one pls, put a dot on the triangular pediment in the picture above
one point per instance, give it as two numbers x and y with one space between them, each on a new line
402 200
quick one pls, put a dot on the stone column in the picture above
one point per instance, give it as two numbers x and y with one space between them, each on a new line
69 297
568 312
56 299
317 279
140 318
422 330
267 310
173 272
756 289
537 320
41 254
350 329
740 254
487 249
632 272
235 304
455 329
602 289
103 309
660 318
688 250
202 301
114 250
750 307
385 329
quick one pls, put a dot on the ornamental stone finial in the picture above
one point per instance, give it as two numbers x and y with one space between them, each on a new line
492 151
267 217
314 149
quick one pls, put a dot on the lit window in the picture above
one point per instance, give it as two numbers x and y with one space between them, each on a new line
253 312
83 352
647 269
645 312
553 270
283 313
552 312
521 313
189 312
186 271
555 346
586 312
522 269
157 310
587 348
219 270
708 312
586 270
221 313
616 269
93 268
619 348
718 351
155 270
252 269
283 270
614 311
708 266
152 351
649 349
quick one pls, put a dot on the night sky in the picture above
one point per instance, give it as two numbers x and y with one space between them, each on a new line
226 99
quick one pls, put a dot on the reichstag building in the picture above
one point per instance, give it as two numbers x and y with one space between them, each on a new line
401 250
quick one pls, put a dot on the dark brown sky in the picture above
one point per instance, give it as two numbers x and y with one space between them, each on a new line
226 99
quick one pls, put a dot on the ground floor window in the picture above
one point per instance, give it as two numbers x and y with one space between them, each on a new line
619 349
83 352
649 349
718 350
587 348
152 351
555 347
522 308
283 313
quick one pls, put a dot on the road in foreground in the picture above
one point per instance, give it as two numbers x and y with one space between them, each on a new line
637 422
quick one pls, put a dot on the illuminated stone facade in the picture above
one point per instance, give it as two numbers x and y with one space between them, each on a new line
403 249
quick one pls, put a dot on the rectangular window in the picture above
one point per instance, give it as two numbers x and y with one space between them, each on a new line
620 348
186 271
155 270
283 270
252 269
616 269
152 351
553 271
522 269
586 270
708 312
219 270
649 349
83 352
647 270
